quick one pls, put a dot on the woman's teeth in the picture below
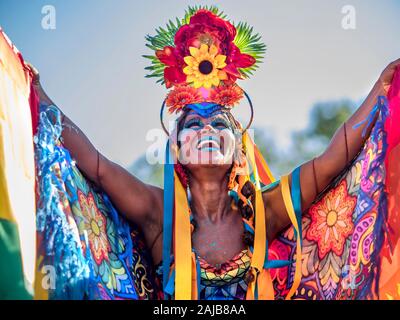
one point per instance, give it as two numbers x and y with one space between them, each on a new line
209 144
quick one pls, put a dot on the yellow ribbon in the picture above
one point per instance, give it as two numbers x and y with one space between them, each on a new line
183 245
185 263
260 234
265 287
40 292
289 208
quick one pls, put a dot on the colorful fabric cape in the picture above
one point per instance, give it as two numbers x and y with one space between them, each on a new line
87 250
94 252
350 235
17 177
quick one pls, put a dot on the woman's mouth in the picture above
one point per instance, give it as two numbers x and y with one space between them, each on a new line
209 143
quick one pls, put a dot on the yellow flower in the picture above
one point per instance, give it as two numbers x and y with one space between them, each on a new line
204 66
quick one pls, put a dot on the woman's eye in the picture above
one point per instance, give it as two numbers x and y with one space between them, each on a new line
193 124
220 124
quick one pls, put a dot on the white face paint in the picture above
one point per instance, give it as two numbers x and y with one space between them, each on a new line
206 141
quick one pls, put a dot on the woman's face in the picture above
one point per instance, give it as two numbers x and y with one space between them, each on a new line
206 141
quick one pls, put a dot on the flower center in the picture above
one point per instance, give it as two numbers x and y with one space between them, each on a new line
331 218
95 228
206 39
205 67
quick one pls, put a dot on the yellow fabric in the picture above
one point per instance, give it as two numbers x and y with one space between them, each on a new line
289 208
183 245
260 235
40 292
17 173
251 286
265 286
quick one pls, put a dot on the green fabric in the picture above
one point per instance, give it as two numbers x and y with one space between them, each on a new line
12 281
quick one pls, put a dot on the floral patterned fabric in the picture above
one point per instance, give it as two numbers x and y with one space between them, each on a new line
341 233
95 252
343 236
121 268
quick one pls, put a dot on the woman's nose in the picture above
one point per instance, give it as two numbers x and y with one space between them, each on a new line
208 127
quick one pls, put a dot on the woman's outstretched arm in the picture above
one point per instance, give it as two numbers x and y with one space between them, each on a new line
315 175
139 202
136 200
345 144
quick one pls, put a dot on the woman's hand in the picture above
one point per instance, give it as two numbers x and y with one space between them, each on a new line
37 85
387 75
35 73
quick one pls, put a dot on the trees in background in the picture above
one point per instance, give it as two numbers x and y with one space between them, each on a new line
325 118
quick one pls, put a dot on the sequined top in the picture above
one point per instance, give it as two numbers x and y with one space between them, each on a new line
226 281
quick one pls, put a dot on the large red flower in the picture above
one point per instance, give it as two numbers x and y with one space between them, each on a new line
173 73
236 59
204 28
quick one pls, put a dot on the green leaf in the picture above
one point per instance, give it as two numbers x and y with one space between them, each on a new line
250 43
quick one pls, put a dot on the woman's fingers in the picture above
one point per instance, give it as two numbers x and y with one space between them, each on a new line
391 68
387 75
35 72
395 63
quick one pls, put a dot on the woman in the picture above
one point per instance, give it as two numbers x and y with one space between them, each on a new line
212 166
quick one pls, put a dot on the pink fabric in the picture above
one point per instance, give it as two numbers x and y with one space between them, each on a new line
392 125
392 164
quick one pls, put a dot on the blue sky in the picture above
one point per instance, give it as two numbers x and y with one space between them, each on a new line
91 64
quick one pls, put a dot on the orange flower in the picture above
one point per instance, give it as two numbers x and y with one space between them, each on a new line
181 96
227 95
331 220
96 225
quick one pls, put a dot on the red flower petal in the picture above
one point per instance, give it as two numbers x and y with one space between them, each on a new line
244 61
173 76
182 35
204 24
240 60
232 70
205 17
168 56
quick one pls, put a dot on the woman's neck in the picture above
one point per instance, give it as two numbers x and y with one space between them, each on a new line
210 199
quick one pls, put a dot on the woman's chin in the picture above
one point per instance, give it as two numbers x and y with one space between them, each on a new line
212 157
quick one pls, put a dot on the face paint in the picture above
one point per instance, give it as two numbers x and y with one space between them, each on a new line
206 140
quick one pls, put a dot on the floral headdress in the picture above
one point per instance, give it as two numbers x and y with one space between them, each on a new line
200 58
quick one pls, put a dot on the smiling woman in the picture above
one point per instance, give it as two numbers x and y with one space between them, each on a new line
222 227
207 140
